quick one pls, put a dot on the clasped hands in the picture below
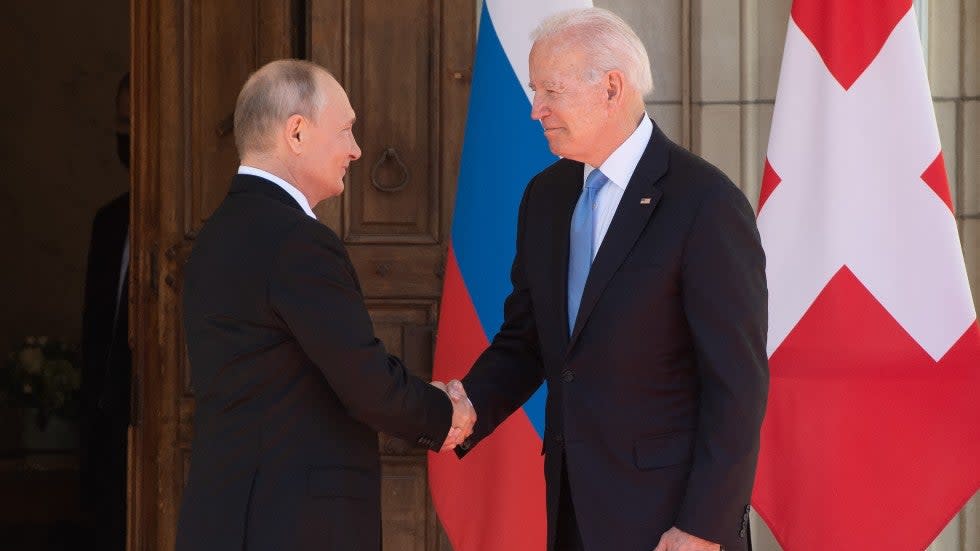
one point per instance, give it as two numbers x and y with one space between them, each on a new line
464 416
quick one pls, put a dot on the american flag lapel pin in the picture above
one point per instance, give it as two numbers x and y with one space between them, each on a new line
645 201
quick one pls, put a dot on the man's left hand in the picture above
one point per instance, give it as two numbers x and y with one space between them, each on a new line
676 539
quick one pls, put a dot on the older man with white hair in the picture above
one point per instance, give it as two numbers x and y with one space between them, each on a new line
639 296
291 383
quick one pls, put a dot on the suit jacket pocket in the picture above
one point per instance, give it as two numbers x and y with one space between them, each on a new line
654 452
343 482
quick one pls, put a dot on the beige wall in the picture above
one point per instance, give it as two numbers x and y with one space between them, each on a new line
716 66
61 62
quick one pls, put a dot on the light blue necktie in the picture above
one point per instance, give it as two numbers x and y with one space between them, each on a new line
580 243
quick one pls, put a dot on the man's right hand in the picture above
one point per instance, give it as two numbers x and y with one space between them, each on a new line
676 539
464 416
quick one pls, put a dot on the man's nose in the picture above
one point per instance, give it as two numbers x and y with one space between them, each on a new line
538 107
355 153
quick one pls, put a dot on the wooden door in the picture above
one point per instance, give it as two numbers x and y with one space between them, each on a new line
406 67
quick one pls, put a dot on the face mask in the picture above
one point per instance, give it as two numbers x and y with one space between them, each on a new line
122 149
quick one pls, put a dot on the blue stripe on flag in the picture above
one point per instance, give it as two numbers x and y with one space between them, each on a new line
502 150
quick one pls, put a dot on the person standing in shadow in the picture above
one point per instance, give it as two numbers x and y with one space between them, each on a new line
107 361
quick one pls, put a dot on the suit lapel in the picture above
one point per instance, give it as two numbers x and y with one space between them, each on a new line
568 188
627 224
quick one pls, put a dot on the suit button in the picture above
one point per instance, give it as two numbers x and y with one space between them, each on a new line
568 376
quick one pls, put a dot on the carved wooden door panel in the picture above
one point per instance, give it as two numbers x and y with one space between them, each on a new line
405 66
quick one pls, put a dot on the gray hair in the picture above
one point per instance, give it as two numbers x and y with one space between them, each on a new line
272 94
608 42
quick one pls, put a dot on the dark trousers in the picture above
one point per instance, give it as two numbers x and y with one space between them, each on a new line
567 536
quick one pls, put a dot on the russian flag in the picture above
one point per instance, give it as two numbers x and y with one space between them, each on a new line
494 499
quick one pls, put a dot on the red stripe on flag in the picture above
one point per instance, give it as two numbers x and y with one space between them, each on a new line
493 499
848 34
876 424
461 337
770 179
935 178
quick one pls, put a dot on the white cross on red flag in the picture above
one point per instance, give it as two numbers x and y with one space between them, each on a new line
872 433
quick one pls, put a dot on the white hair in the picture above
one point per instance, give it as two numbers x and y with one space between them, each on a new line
608 42
275 92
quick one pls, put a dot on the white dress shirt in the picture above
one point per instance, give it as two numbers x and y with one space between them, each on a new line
619 168
289 188
123 274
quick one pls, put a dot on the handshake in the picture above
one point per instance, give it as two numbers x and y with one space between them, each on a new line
464 416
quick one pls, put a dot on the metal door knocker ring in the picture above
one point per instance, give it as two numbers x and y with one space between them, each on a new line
389 152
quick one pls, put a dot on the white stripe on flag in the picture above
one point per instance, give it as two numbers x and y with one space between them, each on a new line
515 32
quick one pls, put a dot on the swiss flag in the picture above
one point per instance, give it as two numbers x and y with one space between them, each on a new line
872 433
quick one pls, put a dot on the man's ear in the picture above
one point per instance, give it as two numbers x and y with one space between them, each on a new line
295 133
615 81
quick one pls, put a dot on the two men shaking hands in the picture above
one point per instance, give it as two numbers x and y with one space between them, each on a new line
639 297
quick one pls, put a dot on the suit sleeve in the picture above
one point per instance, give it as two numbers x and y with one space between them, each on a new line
510 370
314 291
725 301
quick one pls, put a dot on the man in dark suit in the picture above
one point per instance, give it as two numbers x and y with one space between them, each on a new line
106 361
639 296
291 383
